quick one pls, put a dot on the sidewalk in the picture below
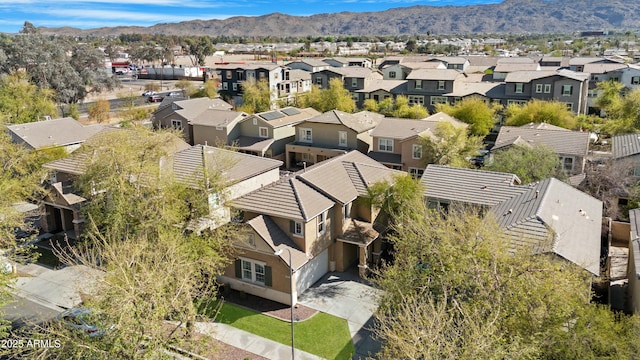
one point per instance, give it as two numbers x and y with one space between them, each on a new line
249 342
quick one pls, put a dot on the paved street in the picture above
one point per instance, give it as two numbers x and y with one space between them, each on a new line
21 312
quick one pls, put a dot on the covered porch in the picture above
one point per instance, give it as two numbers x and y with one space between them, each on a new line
360 243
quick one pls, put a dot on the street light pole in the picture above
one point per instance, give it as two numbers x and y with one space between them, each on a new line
277 253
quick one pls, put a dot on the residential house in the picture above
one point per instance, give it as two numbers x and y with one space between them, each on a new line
572 147
504 68
401 71
453 62
177 114
353 78
554 62
625 150
294 82
319 215
347 62
330 134
66 133
397 143
545 217
233 75
215 127
428 87
379 90
310 65
630 76
601 71
564 86
267 133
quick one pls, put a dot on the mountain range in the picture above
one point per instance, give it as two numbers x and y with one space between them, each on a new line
510 16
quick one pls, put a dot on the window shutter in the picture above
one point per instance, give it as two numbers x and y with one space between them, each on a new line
239 268
267 276
292 226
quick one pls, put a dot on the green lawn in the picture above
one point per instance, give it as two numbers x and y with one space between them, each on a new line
323 334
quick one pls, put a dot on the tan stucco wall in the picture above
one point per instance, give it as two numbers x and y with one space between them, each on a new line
209 135
407 155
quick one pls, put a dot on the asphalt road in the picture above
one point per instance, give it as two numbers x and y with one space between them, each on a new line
23 312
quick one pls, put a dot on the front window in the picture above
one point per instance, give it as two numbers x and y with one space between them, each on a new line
635 80
385 145
392 74
319 81
519 88
176 124
567 90
229 74
253 271
441 85
418 84
416 99
234 86
538 88
346 210
416 172
322 226
567 164
547 88
438 100
354 82
342 138
264 132
306 135
417 151
297 228
225 86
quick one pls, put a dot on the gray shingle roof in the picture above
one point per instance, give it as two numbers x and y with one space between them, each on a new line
385 157
214 117
560 141
512 67
552 216
188 165
469 186
434 74
288 198
55 132
400 128
386 85
625 145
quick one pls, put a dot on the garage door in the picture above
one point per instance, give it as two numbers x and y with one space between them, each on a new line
313 271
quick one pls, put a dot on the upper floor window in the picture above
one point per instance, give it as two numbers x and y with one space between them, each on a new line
342 138
385 145
418 84
567 163
538 88
262 76
319 81
346 210
519 88
322 223
176 124
441 85
264 132
354 82
297 228
306 135
253 271
228 74
635 80
567 90
416 151
547 88
392 74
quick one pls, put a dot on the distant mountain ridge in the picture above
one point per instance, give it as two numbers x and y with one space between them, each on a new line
510 16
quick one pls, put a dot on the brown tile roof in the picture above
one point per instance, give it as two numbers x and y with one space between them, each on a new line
359 233
249 143
394 128
599 68
55 132
560 141
359 122
278 239
465 88
188 165
345 177
288 198
215 117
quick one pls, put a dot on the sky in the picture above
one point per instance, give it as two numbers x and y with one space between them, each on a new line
87 14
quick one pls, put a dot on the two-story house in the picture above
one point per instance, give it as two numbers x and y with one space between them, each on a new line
233 75
428 86
330 134
320 215
295 82
506 66
397 143
402 70
66 133
379 90
572 147
310 65
347 62
353 78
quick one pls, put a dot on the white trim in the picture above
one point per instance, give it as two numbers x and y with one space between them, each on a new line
302 134
413 151
387 147
346 139
254 273
260 132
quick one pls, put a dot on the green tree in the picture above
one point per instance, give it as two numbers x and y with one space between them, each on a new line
539 111
529 163
480 116
99 111
256 96
624 114
22 102
398 107
336 97
450 145
199 48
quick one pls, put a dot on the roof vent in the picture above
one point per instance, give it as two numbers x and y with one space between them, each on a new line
510 211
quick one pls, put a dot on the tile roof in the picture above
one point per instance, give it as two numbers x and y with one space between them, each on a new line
214 117
515 60
424 65
345 177
248 66
65 191
55 132
385 157
552 216
188 165
394 128
287 198
625 145
359 122
278 239
386 85
599 68
527 76
355 72
310 61
560 141
466 88
431 74
583 60
249 143
511 67
470 186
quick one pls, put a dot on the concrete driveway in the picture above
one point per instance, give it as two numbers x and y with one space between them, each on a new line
346 295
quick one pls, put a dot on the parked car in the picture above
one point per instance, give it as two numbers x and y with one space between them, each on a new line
149 93
175 93
81 319
155 98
